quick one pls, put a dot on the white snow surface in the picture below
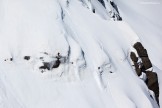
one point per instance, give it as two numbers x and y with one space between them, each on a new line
96 71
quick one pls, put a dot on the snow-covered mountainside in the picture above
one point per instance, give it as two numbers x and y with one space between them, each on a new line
80 53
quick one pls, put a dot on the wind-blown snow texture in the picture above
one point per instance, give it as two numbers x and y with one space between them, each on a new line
83 46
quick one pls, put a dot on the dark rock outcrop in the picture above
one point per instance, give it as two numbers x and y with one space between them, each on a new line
102 2
146 62
142 52
8 59
45 66
143 66
11 59
56 64
152 83
27 57
52 64
116 13
136 65
133 57
137 69
138 46
93 10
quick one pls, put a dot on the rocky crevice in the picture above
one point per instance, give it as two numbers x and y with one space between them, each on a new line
143 65
114 13
102 2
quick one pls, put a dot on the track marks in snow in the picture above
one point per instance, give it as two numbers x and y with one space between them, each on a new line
95 56
76 59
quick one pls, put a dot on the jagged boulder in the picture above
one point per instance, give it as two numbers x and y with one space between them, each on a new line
133 57
152 79
11 59
56 64
138 46
8 59
102 2
27 57
146 62
114 6
50 65
137 69
136 65
152 83
120 18
50 62
46 65
93 10
142 52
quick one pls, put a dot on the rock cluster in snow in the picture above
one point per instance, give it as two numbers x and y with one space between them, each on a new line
143 65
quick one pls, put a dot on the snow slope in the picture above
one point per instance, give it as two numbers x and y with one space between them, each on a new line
145 19
95 69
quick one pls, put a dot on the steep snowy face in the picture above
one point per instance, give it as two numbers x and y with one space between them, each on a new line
145 19
33 26
146 14
76 53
